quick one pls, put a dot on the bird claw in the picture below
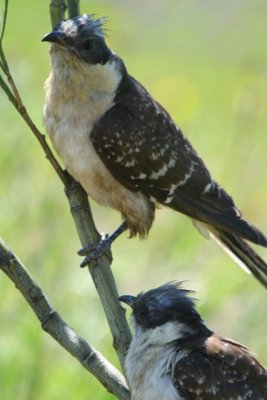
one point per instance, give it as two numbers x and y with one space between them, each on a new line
93 252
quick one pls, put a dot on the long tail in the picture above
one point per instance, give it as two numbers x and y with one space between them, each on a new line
242 253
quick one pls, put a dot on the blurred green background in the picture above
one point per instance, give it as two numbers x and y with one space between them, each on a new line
206 62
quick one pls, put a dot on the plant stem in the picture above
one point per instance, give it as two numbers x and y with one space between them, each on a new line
101 272
57 11
73 8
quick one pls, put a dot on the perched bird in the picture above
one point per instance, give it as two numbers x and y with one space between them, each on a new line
124 148
174 356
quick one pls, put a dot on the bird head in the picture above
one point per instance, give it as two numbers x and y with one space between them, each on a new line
82 36
169 305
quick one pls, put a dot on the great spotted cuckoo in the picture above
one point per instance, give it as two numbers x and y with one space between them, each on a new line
174 356
124 148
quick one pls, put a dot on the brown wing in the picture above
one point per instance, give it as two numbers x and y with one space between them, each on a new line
143 148
221 370
145 151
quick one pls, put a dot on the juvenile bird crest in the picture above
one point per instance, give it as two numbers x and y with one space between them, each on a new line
171 295
83 25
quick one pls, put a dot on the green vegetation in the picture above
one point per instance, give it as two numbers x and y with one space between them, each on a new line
206 63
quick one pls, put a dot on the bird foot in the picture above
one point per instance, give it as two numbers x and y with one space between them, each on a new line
93 252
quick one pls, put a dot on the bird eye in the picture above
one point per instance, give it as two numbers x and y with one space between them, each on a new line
143 312
88 44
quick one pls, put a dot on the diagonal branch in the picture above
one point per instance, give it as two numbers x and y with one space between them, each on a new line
56 327
12 92
7 91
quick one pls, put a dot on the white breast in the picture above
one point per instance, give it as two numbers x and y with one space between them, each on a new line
75 100
149 365
77 96
145 374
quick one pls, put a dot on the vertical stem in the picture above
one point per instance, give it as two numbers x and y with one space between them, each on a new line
101 273
4 21
83 219
57 11
73 8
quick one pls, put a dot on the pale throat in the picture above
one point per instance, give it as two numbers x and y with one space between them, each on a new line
83 79
77 95
165 333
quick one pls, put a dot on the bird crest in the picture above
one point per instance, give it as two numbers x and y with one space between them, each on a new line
83 25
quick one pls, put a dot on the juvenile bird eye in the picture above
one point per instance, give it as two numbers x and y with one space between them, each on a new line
88 44
143 312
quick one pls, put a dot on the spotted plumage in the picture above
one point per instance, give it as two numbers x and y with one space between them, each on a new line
124 148
174 356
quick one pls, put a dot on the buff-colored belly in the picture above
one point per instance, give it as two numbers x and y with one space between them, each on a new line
76 150
70 112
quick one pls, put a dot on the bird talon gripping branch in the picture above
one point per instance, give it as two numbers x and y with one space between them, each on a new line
97 251
94 251
124 148
87 249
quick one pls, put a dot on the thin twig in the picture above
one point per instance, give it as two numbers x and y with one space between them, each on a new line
8 92
4 21
56 327
15 98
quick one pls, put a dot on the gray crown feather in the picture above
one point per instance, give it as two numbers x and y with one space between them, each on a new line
86 24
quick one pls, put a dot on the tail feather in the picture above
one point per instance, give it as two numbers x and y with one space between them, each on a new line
224 220
242 253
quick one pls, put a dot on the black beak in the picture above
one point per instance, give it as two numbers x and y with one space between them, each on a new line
53 37
127 299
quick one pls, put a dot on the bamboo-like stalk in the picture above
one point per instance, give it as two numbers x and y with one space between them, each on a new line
73 8
57 11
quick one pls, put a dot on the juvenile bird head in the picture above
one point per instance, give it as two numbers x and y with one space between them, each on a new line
82 36
167 305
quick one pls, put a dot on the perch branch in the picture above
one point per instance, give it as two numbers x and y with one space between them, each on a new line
101 272
56 327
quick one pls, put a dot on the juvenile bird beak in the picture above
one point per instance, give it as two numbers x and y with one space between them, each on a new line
53 37
127 299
